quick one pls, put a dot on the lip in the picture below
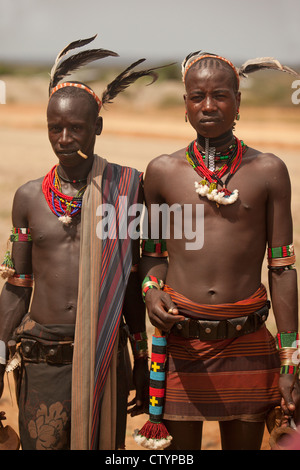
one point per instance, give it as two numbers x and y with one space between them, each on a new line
209 120
66 152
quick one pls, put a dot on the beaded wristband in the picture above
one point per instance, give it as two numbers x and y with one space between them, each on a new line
287 344
139 344
151 282
2 352
157 248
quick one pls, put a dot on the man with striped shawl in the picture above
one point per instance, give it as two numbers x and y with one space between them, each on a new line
208 301
71 332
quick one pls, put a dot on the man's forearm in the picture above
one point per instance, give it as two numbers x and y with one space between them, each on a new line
284 296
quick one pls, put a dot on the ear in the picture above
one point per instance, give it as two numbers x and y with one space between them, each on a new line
238 99
99 125
184 97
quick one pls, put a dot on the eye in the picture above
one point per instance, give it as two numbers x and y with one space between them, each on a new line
54 129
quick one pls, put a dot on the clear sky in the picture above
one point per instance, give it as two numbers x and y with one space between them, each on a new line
155 29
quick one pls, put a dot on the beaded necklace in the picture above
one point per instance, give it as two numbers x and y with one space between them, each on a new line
63 206
211 179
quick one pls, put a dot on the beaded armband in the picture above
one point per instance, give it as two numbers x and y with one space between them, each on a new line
155 248
282 257
151 282
7 268
21 280
139 344
287 345
20 235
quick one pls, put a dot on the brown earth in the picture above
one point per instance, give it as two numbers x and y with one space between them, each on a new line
132 135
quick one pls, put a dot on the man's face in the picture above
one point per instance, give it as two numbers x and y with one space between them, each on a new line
211 101
71 127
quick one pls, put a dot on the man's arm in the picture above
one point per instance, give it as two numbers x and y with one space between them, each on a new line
14 299
282 279
158 303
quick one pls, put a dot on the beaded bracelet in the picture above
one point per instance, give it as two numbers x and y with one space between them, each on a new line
287 344
156 248
139 344
151 282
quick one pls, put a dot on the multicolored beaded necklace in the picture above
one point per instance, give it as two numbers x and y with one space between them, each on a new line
211 179
63 206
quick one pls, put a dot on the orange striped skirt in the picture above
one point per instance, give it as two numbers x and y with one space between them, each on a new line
221 379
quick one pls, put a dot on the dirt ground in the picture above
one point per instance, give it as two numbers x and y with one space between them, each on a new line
132 135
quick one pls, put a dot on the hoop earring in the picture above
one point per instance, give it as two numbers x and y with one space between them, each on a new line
185 117
237 117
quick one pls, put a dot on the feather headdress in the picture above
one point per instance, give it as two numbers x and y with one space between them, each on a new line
64 68
250 66
126 78
260 63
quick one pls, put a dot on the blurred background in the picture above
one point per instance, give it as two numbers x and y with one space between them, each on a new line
145 121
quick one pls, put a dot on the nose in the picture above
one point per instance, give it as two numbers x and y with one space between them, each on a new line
208 104
65 137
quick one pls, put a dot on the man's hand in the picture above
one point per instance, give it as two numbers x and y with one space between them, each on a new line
290 390
162 312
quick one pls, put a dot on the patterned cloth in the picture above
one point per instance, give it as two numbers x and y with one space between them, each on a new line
221 379
105 267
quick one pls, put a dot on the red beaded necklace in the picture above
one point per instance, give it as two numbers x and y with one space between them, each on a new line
211 179
63 206
195 157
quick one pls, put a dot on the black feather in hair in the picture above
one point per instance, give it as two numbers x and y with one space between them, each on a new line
64 68
126 78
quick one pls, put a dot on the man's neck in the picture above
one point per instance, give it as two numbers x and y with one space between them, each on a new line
221 142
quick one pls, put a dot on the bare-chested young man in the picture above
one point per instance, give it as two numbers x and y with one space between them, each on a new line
222 362
86 291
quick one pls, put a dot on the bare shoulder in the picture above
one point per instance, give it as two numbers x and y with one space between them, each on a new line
268 164
158 172
24 199
164 162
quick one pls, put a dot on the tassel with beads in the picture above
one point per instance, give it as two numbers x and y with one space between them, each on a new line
154 434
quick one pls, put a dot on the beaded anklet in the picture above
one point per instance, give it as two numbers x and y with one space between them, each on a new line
151 282
139 344
287 345
282 257
155 248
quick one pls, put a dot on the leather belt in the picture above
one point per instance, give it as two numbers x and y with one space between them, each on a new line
221 329
34 351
